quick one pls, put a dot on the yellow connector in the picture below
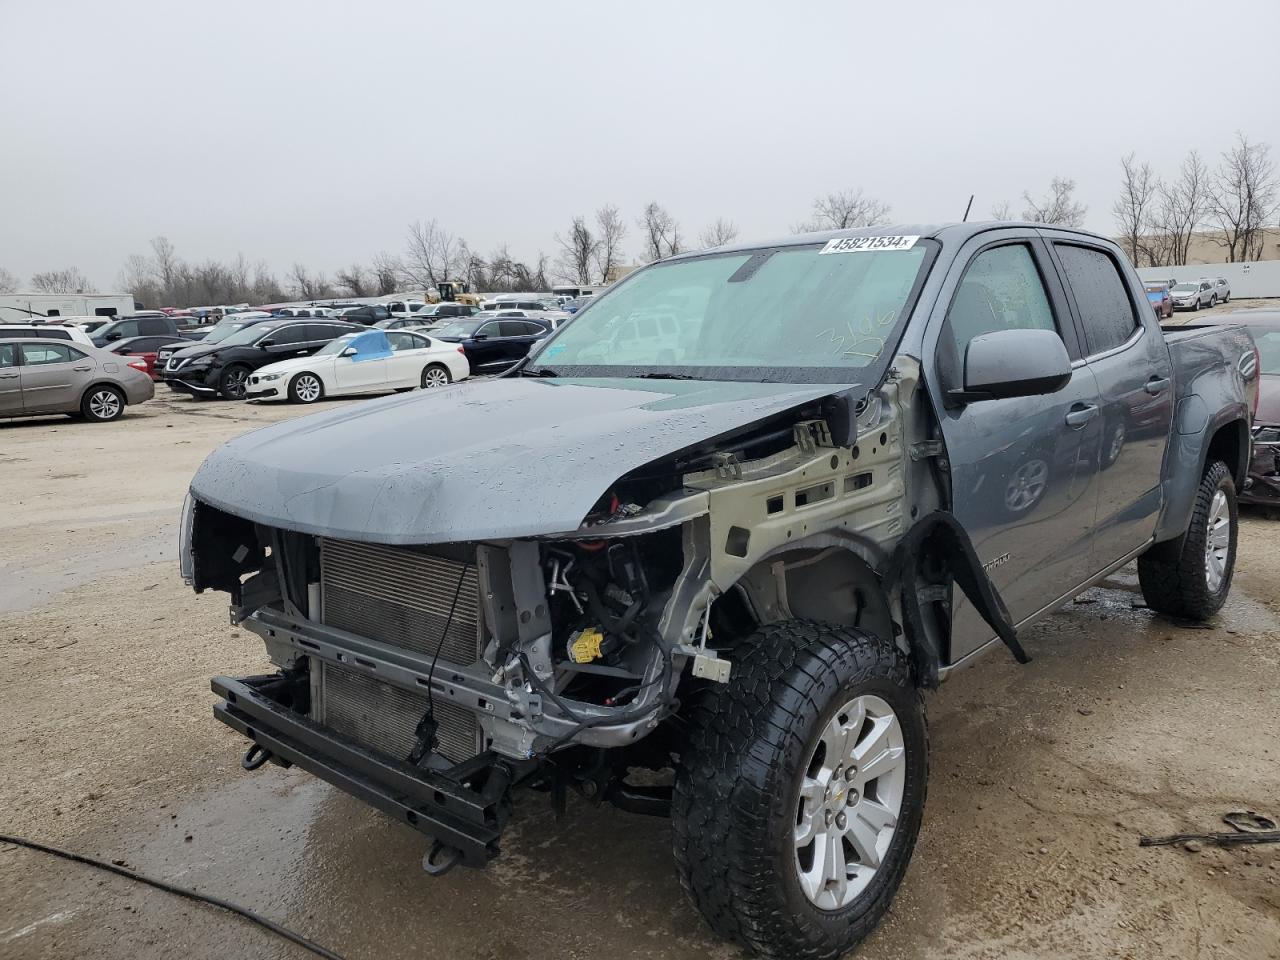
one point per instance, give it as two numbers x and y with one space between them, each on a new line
585 646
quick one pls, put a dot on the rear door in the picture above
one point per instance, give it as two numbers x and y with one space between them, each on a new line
1023 475
408 357
1125 349
10 379
53 375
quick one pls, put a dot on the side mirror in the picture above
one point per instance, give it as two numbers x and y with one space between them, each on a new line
114 336
349 352
480 336
1013 363
263 344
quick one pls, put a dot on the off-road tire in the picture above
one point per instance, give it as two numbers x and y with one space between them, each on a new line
1172 574
227 383
737 782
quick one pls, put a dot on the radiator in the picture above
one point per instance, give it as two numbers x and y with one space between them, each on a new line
401 598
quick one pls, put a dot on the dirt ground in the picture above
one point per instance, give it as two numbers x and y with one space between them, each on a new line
1043 776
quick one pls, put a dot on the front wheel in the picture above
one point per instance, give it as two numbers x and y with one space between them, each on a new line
233 383
1213 301
1196 305
436 375
1190 577
305 388
808 768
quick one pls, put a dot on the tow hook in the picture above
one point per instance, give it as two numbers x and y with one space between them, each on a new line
440 859
255 757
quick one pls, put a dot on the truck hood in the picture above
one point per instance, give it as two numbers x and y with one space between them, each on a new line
512 457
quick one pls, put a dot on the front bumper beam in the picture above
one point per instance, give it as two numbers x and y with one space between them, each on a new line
442 806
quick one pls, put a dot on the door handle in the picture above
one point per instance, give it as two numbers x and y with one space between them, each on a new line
1080 414
1156 384
82 369
8 376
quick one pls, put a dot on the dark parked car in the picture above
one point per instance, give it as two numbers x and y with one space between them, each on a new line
1264 464
1160 299
223 368
147 349
492 345
369 314
432 315
143 326
215 334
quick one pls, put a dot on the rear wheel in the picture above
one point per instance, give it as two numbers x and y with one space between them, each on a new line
808 768
234 383
1190 577
102 404
436 375
305 388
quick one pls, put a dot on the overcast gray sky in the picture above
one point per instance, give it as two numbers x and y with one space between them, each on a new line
316 131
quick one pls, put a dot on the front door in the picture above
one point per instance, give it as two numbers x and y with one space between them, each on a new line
52 376
366 369
1130 362
1023 474
10 380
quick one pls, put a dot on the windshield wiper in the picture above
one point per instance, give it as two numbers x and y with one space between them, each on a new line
539 372
666 376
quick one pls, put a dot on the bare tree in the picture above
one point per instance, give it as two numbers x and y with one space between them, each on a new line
8 282
718 234
612 231
1001 211
577 251
1243 198
845 209
70 280
167 264
432 254
1058 206
386 273
1134 209
354 280
1179 211
661 233
308 287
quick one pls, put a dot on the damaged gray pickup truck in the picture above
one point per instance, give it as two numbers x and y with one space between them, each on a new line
718 532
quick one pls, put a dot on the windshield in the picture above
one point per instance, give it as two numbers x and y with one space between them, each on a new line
459 328
336 346
245 335
222 330
1268 341
805 313
1186 288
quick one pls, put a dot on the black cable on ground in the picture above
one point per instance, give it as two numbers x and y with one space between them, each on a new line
128 874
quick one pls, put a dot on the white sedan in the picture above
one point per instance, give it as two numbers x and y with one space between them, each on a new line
371 361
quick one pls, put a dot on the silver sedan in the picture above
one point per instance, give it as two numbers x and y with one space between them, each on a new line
40 377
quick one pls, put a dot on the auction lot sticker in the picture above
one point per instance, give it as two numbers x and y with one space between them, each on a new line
868 244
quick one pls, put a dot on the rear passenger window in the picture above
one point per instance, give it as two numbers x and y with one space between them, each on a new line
38 354
8 354
152 326
1001 290
1101 296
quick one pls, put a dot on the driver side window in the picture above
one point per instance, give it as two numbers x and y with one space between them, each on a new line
1001 290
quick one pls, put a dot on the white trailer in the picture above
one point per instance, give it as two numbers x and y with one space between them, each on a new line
20 307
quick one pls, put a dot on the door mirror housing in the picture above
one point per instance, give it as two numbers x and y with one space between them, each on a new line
263 344
480 336
1013 363
349 352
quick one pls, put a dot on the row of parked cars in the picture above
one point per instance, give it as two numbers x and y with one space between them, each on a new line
1167 296
95 367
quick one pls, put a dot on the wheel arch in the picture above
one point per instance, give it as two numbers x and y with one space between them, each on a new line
1196 442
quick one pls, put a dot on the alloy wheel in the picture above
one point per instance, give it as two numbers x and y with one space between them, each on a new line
849 802
236 383
104 405
307 387
1217 542
434 377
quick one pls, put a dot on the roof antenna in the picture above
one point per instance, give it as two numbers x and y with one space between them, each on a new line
967 208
